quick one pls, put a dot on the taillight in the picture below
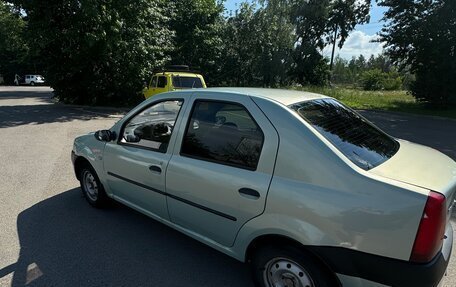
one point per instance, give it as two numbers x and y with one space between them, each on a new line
431 231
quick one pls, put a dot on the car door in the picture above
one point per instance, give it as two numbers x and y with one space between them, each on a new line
150 91
136 164
162 84
222 165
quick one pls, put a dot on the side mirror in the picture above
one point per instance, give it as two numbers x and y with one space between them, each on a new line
105 135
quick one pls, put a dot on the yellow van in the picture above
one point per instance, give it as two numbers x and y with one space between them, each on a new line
173 78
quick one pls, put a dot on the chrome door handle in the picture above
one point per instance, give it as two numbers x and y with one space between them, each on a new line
155 168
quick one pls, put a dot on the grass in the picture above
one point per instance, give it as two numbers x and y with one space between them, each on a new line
396 101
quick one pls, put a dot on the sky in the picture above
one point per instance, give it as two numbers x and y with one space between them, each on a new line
358 42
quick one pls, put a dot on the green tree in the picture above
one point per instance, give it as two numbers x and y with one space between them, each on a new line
98 52
13 48
377 73
381 62
343 16
421 35
274 43
240 35
198 27
320 23
309 66
259 41
342 73
354 69
309 18
361 63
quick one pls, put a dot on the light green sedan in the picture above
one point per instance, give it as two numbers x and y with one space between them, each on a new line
302 188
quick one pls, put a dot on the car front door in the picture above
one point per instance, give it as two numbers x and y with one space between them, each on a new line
222 165
162 84
150 91
136 164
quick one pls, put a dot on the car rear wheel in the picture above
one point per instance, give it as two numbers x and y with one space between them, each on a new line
91 187
289 267
32 83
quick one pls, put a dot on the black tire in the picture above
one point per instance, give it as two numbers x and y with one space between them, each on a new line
32 83
91 187
289 263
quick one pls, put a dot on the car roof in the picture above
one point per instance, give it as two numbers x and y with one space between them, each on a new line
286 97
183 74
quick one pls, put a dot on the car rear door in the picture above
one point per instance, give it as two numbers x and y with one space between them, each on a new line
222 165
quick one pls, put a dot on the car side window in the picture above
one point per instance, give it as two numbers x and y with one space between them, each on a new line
153 82
153 127
224 133
162 81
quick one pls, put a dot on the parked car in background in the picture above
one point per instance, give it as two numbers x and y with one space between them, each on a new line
30 80
172 78
302 188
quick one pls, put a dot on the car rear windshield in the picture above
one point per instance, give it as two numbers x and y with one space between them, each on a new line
187 82
361 142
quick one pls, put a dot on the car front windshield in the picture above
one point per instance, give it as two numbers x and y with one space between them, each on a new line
360 141
186 82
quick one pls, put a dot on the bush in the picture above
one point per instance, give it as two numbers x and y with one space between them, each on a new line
392 82
435 86
371 80
374 80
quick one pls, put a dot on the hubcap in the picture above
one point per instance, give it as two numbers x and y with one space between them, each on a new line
283 272
90 185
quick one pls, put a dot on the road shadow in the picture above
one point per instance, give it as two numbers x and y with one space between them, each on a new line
11 116
38 107
66 242
43 95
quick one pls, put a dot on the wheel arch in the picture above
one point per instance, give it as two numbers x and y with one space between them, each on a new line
283 240
269 239
80 162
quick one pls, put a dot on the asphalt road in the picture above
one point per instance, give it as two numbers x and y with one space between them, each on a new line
49 235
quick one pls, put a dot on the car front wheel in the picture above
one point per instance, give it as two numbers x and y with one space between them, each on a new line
91 187
289 266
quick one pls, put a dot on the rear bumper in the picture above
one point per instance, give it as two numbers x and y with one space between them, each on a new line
388 271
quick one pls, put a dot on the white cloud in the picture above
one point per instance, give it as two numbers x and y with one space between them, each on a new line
356 44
